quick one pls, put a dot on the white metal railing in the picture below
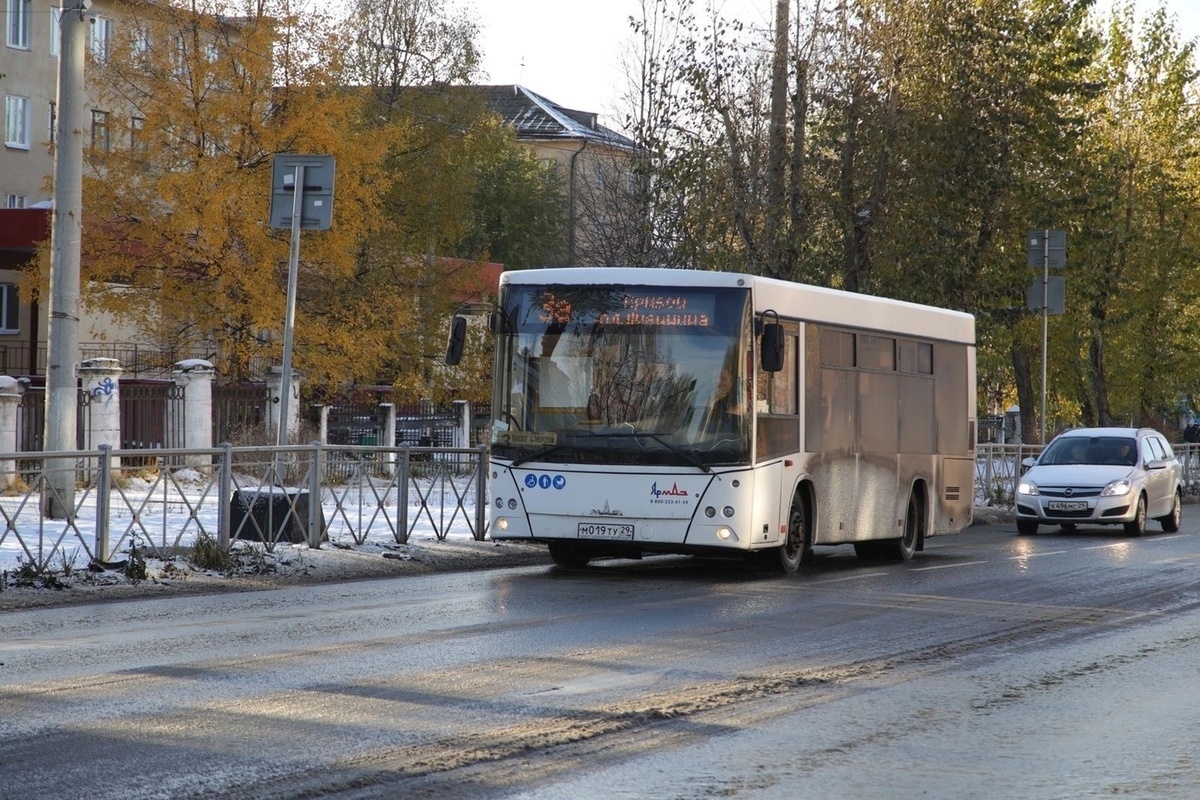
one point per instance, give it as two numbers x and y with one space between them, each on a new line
161 501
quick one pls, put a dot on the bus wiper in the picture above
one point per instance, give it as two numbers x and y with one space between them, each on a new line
539 454
677 450
658 437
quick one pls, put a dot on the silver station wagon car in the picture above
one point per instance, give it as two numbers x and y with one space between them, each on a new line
1102 476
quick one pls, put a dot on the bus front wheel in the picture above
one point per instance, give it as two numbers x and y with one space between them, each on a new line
796 550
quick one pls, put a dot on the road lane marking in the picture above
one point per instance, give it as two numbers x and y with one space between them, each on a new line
854 577
948 566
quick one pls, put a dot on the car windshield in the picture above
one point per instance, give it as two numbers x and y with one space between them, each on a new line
1111 450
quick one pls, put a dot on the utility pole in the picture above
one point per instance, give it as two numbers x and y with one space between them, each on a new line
62 390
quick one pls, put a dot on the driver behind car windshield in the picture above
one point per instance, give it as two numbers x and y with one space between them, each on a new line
1113 451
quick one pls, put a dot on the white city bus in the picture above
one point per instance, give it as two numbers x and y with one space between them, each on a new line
641 411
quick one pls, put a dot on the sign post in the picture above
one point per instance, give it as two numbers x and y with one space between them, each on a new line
1046 248
301 197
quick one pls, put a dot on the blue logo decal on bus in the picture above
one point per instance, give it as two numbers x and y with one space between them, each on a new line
545 481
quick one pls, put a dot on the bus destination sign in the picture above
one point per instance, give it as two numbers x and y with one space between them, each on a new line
621 308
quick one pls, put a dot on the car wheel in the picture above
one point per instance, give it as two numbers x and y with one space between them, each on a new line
1026 527
1137 525
1170 523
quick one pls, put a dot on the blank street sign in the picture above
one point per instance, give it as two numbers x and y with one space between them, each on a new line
1056 291
1042 245
316 213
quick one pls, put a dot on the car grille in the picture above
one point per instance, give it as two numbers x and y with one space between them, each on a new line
1075 492
1069 514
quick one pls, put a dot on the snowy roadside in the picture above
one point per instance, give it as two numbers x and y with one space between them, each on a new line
289 565
297 565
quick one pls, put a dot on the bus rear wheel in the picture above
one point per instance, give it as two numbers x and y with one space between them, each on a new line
568 556
902 549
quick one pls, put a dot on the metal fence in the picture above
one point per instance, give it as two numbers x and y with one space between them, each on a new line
266 495
308 493
998 468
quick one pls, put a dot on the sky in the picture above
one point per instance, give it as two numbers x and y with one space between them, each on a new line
570 51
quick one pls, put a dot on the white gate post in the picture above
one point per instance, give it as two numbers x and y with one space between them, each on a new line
462 429
388 439
100 378
195 376
275 389
10 399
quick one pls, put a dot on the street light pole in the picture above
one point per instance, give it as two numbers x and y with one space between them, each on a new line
62 390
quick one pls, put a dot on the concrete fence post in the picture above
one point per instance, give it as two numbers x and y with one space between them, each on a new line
388 457
10 401
275 389
195 377
101 380
462 431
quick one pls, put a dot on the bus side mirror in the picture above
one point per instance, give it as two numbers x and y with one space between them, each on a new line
457 341
770 347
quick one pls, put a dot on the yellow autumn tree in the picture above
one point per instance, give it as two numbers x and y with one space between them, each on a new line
192 102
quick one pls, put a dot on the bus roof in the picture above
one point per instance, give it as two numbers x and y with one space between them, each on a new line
789 300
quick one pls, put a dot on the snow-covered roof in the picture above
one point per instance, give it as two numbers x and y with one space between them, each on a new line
535 117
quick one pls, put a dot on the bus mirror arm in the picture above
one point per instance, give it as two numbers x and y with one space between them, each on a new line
770 343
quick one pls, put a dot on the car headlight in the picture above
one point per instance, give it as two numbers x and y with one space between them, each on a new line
1117 488
1027 487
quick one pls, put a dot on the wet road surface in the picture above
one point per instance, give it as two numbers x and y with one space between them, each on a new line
992 665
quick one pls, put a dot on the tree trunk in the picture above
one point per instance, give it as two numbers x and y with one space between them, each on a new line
1026 399
776 148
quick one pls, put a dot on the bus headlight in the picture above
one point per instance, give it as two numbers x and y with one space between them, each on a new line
727 511
724 533
502 523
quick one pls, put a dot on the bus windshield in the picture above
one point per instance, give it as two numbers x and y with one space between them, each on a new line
623 375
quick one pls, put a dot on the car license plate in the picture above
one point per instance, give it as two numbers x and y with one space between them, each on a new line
604 530
1067 505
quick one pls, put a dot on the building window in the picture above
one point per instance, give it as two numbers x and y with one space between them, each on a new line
100 131
101 36
10 309
139 49
18 23
137 136
16 121
55 29
15 201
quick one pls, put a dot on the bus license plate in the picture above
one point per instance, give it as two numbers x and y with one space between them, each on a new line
604 530
1067 505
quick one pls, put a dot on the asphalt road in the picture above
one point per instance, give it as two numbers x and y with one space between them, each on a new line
992 665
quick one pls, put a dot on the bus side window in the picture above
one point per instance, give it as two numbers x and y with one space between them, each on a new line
778 401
